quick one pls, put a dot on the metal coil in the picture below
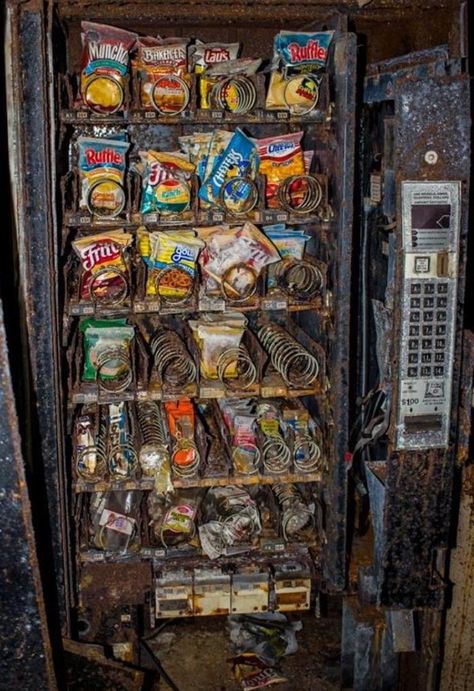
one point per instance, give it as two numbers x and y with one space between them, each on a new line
296 515
156 98
127 451
231 199
245 368
247 465
173 299
173 363
295 364
306 204
188 469
299 279
276 455
94 286
154 447
294 84
311 460
246 93
120 359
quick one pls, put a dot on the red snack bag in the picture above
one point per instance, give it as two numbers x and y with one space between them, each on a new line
105 57
280 157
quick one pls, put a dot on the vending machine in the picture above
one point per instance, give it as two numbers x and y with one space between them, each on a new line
228 262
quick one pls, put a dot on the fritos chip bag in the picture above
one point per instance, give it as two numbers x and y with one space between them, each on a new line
161 66
297 53
97 253
105 57
166 182
279 158
102 174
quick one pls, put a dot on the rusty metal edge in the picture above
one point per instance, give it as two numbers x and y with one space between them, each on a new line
30 149
29 622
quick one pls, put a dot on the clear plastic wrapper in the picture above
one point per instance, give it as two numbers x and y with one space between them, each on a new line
114 521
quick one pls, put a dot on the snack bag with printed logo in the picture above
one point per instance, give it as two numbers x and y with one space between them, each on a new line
97 254
102 174
206 55
279 157
299 58
238 160
161 66
105 58
166 185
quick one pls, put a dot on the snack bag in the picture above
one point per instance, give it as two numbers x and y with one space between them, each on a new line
181 424
196 147
101 334
98 252
279 158
296 54
228 249
166 185
105 56
161 66
213 338
238 160
228 87
102 174
206 55
175 253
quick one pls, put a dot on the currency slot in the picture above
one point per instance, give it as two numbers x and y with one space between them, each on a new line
423 423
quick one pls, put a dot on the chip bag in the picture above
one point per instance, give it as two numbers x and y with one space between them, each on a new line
102 175
239 159
214 338
298 61
161 66
175 254
166 187
105 57
181 424
206 55
100 335
279 158
196 147
97 253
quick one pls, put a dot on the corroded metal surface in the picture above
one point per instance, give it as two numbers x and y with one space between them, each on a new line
26 660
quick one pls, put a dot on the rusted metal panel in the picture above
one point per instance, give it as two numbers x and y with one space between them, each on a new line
26 660
87 667
31 175
334 569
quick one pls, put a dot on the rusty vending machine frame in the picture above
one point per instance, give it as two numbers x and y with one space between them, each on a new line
35 48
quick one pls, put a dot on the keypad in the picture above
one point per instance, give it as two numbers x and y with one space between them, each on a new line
426 329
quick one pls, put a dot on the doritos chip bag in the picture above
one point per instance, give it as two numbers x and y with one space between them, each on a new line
105 57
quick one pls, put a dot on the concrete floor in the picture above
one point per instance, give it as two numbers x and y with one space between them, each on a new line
194 653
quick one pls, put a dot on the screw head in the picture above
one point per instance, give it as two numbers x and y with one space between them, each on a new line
431 157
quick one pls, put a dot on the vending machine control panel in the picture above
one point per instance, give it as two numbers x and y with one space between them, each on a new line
430 237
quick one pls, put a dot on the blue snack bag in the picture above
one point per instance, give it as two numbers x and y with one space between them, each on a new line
301 51
239 159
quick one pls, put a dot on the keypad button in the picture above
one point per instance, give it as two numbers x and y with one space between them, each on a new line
440 343
413 358
425 371
441 330
414 317
414 330
439 357
428 302
428 316
442 287
441 316
429 289
412 371
415 302
426 357
415 288
442 302
438 371
413 344
427 330
426 343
